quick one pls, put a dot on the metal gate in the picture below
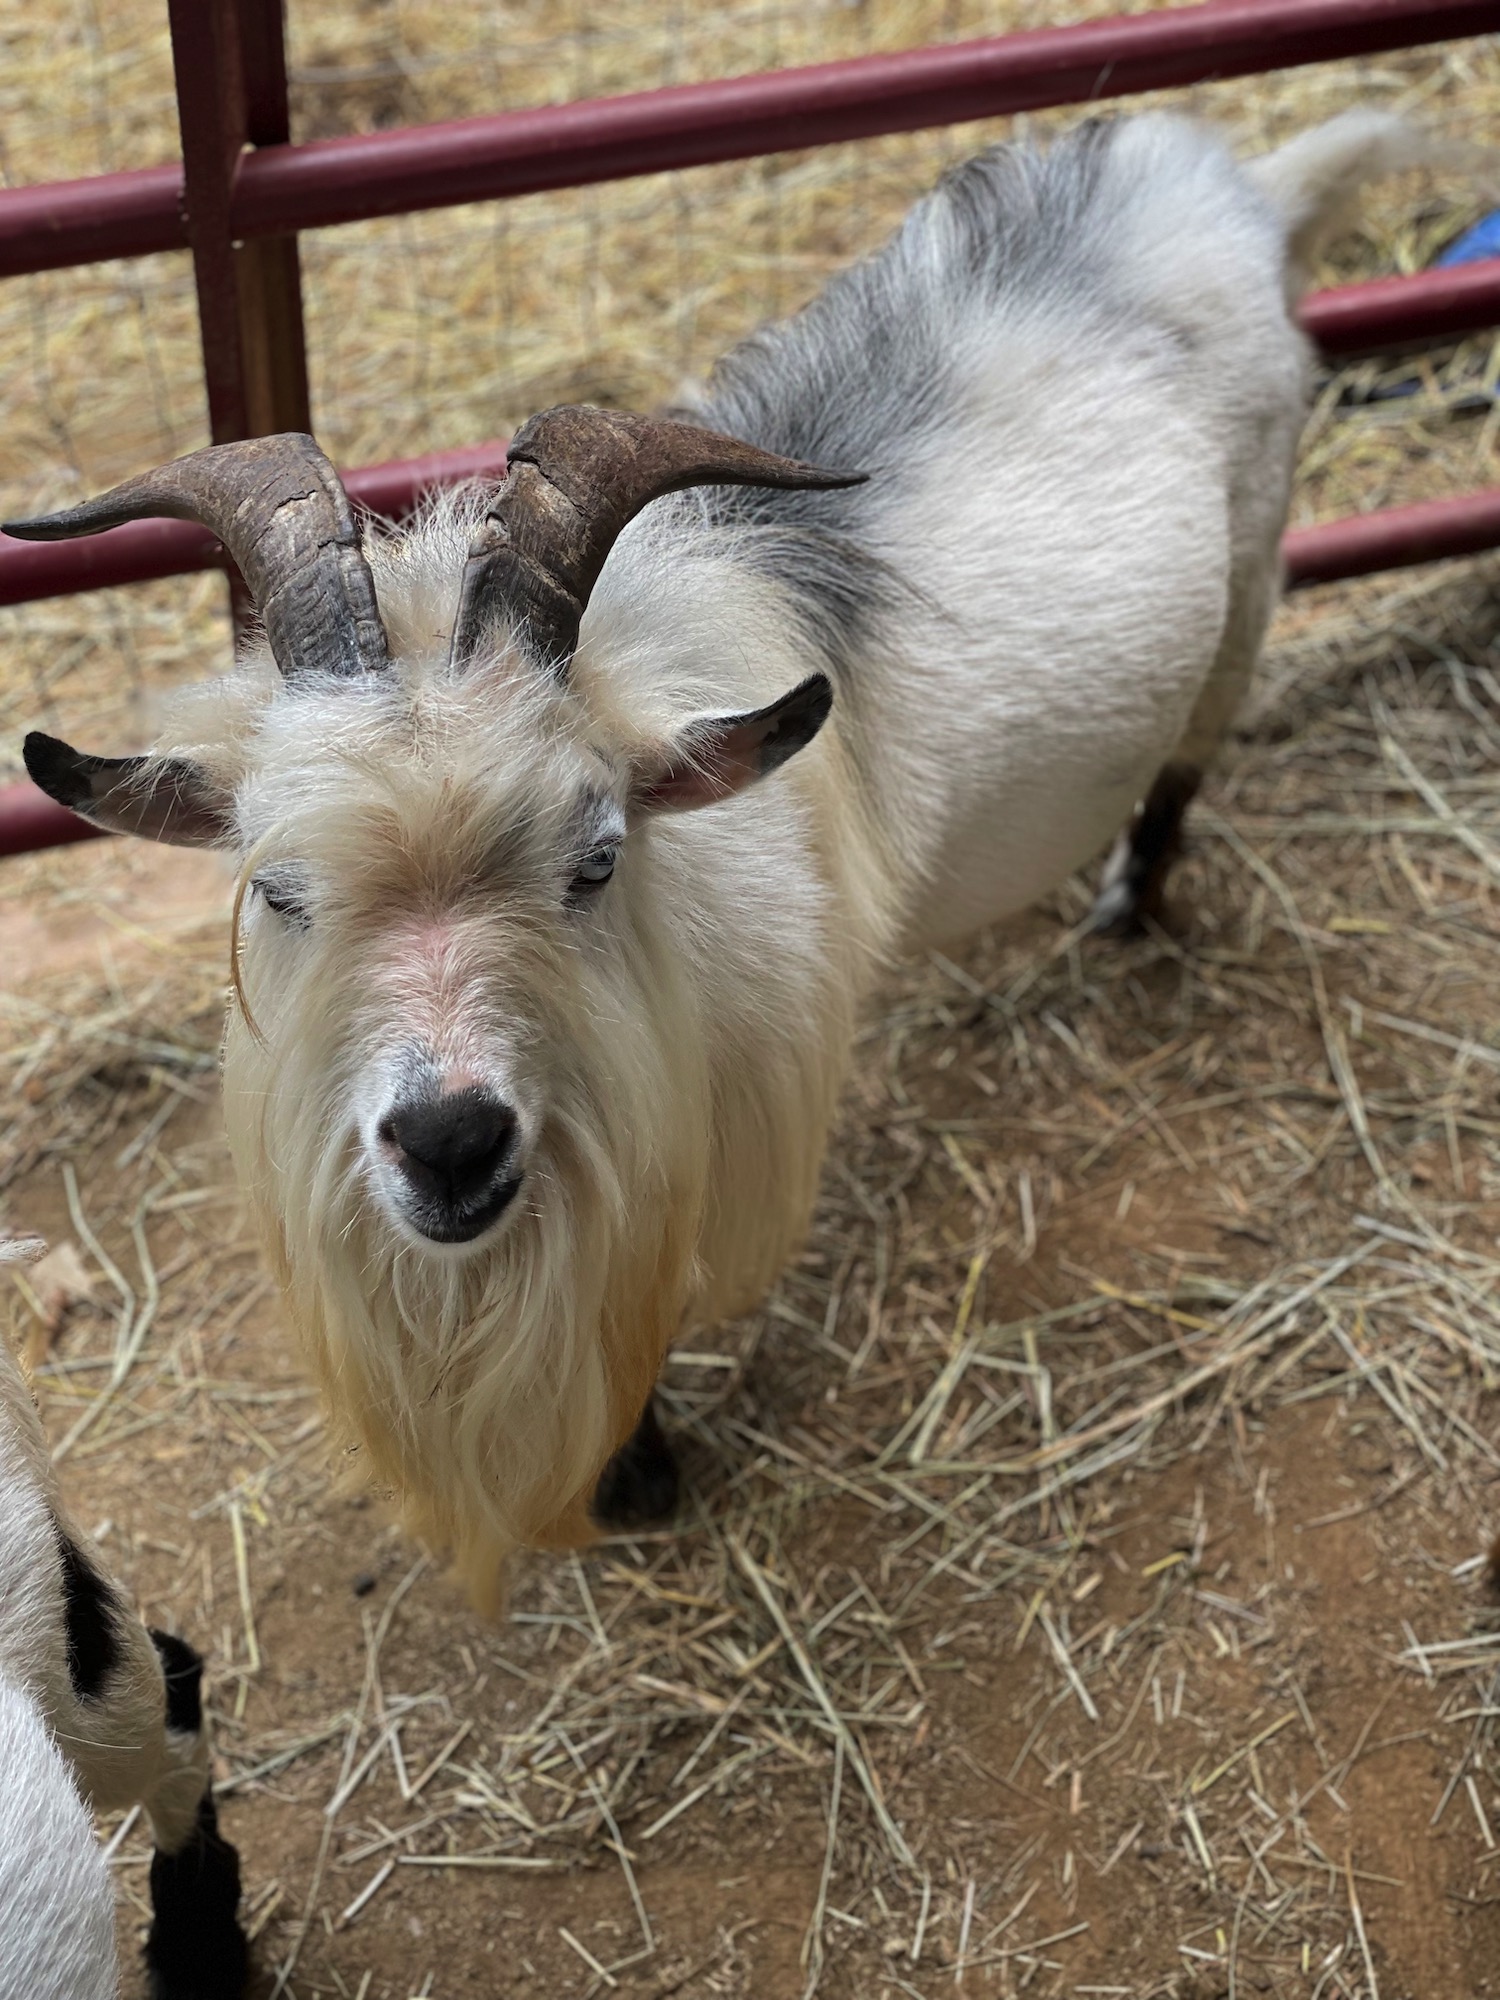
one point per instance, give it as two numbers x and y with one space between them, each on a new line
241 193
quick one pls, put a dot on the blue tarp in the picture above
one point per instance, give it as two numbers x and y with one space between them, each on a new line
1483 240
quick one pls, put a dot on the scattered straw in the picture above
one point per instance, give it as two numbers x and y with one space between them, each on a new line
1130 1262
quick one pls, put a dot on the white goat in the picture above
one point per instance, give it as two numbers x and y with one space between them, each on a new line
509 1124
92 1701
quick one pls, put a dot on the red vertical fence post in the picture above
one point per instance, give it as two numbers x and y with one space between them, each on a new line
229 60
230 67
276 345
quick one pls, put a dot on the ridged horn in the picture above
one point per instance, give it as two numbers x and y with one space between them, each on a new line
280 509
575 476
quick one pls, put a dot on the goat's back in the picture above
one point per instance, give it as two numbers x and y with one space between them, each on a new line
1074 381
1130 244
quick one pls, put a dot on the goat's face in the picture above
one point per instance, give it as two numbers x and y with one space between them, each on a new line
429 918
466 1082
449 958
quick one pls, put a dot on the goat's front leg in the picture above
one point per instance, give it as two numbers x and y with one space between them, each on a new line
195 1949
640 1484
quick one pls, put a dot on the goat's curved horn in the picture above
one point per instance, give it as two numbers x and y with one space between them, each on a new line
575 476
280 509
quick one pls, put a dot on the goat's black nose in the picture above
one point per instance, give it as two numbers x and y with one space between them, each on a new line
453 1151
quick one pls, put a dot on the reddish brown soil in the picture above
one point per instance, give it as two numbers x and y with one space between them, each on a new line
1266 1801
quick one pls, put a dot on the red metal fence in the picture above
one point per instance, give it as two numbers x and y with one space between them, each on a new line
242 191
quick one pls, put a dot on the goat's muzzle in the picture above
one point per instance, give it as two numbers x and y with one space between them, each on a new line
456 1153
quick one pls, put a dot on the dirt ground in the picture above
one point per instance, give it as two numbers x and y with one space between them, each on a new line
1080 1587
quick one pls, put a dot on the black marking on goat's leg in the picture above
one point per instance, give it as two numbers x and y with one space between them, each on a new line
91 1612
195 1949
182 1669
639 1485
1132 891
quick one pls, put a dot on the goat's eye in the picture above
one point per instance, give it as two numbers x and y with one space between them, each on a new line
280 894
595 869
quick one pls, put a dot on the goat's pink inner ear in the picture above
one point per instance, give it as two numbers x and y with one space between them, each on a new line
716 757
166 799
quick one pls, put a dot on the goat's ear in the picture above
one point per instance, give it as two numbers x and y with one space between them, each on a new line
719 755
155 798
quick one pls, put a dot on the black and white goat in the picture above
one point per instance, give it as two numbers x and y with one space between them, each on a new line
95 1711
533 1063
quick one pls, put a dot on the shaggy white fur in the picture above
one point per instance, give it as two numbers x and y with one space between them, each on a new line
1075 383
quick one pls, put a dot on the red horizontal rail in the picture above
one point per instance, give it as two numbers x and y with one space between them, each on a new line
1397 538
346 180
1353 318
58 223
279 189
393 489
29 820
1390 312
1394 538
139 553
143 551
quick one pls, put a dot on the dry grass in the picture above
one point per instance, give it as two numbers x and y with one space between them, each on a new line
1080 1585
437 330
1151 1298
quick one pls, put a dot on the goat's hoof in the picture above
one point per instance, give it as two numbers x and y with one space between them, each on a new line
1124 909
1132 889
218 1969
1116 912
640 1485
1130 899
195 1949
213 1965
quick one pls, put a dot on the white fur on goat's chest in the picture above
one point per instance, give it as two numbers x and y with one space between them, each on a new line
1086 569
